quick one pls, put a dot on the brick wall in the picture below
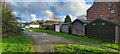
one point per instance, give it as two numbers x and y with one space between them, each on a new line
102 10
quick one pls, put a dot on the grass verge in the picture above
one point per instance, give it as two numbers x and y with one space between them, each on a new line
111 45
19 43
77 49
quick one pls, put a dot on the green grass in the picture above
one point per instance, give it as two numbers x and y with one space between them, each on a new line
0 45
69 36
19 43
69 48
111 45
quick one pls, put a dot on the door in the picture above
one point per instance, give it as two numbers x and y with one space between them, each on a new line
57 28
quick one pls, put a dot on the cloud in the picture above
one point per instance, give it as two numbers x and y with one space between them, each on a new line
26 17
33 17
47 13
83 17
72 8
62 18
25 9
14 13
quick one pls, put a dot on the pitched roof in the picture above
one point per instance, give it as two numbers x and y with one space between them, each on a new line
82 21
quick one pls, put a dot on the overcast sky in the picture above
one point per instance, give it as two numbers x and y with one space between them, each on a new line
43 9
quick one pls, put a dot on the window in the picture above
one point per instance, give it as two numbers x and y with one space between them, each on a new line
112 11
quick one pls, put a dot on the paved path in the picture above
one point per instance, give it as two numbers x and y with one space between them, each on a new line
45 42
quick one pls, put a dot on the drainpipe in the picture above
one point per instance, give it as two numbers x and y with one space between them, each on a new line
116 34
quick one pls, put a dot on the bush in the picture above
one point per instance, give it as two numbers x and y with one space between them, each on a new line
70 48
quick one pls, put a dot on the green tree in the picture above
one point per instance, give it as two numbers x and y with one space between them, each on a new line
67 19
9 23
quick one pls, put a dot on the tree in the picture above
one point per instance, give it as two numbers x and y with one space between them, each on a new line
67 19
9 23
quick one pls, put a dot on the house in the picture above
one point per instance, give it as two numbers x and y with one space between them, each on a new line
65 27
23 24
103 29
34 24
109 11
51 22
78 27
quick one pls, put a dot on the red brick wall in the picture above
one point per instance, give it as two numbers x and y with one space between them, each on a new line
119 12
103 9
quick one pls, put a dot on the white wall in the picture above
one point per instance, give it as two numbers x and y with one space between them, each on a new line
34 26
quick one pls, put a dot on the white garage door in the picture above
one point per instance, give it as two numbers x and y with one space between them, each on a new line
57 28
